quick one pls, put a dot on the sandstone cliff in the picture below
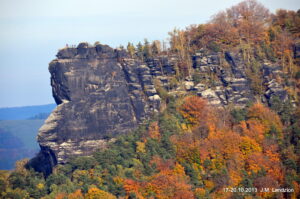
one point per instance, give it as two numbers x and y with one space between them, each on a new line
101 93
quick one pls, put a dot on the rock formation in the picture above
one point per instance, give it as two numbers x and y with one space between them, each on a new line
102 92
230 85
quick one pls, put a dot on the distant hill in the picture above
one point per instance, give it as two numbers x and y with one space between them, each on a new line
18 130
25 130
26 112
17 141
40 116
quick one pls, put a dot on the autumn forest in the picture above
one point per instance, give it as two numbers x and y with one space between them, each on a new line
191 148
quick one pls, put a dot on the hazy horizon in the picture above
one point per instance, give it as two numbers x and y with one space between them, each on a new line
32 31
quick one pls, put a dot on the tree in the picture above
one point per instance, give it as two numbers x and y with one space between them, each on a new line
3 182
76 195
95 193
287 20
140 50
131 49
180 44
140 147
250 18
266 117
156 47
221 33
147 49
197 112
17 194
153 131
168 183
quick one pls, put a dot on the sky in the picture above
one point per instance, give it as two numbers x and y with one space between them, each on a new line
32 31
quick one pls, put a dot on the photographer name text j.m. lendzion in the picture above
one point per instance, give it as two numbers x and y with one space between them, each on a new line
282 190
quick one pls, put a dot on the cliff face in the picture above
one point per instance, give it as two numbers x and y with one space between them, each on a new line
232 84
101 93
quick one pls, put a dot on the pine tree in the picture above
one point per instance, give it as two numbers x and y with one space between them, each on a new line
131 49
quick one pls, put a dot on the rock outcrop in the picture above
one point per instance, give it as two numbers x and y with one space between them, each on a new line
100 93
272 76
297 52
230 84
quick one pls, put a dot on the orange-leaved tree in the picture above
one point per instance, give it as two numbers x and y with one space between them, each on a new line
170 182
197 112
95 193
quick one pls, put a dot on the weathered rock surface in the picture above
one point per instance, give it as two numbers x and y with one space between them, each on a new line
272 75
230 85
100 93
297 50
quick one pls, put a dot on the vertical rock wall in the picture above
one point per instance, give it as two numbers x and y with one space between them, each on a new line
101 93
